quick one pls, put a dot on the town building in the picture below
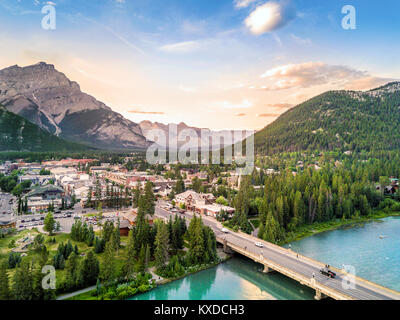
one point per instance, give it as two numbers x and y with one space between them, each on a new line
131 217
7 223
41 198
201 203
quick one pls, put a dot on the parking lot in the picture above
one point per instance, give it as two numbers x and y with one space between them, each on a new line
34 221
66 220
7 203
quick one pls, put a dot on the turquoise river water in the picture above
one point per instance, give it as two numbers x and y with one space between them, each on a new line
373 249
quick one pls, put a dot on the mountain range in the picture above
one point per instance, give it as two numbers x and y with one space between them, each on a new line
46 109
201 134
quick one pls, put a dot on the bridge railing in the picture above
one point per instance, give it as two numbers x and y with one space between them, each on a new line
312 283
319 263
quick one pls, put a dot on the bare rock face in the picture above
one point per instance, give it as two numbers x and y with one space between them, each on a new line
49 99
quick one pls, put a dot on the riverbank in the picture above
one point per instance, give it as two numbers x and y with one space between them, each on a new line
306 231
239 278
89 293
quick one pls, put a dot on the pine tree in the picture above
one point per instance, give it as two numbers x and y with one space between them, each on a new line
141 266
147 258
196 240
5 292
161 246
72 271
99 245
22 287
117 236
136 195
150 198
130 255
90 268
272 229
107 269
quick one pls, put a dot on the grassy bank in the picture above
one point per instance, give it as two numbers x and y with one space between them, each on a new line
318 227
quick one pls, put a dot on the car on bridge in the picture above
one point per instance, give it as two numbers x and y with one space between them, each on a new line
259 244
225 230
328 273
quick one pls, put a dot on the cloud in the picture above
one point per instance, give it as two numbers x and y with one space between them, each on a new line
309 74
244 105
240 114
368 83
300 40
280 106
145 112
268 115
270 16
117 35
187 89
194 27
243 3
181 47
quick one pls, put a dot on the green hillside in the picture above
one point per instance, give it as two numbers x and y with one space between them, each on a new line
18 134
337 120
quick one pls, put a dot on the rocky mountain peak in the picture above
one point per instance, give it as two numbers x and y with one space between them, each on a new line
46 97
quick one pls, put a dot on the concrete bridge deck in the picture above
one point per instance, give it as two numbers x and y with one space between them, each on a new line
300 268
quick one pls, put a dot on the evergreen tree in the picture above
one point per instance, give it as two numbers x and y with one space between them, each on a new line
135 198
107 269
161 246
196 240
141 266
22 284
5 292
90 269
130 255
99 245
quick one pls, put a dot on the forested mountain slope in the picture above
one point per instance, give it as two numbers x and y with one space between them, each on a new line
337 120
18 134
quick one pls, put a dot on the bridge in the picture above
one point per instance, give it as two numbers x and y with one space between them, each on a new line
302 269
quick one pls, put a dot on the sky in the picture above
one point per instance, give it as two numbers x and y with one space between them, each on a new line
219 64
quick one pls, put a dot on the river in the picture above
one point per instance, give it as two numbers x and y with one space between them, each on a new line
373 249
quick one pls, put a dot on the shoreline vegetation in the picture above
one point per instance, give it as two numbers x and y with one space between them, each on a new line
91 295
320 227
